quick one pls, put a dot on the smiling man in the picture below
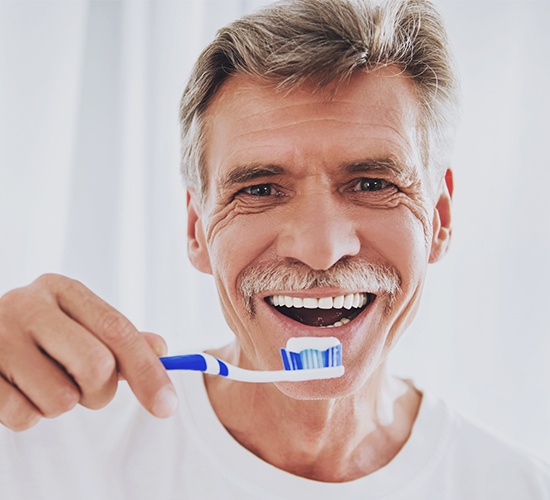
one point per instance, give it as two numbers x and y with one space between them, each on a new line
327 188
316 140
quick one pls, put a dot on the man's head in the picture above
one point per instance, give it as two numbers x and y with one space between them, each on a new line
320 203
327 41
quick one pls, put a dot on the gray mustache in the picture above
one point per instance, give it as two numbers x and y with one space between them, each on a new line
349 274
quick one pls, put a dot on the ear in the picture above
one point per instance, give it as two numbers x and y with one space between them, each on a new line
442 229
196 239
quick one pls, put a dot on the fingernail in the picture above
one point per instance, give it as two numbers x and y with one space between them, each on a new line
166 403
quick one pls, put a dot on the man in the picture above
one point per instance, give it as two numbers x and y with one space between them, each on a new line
316 139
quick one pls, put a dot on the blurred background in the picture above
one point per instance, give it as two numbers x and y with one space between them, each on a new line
90 188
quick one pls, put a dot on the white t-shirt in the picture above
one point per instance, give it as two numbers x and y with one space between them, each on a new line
121 452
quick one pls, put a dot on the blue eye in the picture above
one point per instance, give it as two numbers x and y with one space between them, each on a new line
259 190
368 184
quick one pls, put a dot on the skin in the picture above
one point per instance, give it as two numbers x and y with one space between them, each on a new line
281 189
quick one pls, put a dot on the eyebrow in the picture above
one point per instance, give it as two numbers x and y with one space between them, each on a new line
390 166
246 173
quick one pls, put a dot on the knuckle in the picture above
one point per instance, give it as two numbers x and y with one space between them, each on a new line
55 285
14 305
47 284
116 329
23 422
17 414
100 399
13 301
103 366
99 369
65 400
99 383
22 307
24 298
47 279
66 285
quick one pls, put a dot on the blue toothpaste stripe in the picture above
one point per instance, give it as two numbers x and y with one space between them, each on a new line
312 358
286 361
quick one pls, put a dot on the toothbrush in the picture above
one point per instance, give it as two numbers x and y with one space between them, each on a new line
304 358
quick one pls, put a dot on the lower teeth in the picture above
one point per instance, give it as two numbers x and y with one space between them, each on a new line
341 322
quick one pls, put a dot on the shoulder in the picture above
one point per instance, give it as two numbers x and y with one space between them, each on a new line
487 461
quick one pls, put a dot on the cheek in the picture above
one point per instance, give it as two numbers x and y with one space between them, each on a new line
403 236
236 242
399 236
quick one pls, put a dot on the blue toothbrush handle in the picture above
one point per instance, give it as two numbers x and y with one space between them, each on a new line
195 362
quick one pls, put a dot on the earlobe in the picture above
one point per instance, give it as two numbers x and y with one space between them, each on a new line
196 240
442 227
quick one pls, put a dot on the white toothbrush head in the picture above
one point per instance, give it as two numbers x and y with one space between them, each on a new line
305 353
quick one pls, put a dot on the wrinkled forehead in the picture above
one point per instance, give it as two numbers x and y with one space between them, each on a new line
247 108
240 92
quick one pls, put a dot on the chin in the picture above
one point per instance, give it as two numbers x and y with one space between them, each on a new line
322 390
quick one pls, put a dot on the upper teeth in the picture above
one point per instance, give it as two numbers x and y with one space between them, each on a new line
338 302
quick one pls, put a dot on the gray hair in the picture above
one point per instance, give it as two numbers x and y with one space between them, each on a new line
326 41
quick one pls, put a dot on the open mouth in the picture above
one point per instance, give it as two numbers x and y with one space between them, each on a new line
325 312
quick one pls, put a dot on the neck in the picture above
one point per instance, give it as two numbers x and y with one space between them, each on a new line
331 440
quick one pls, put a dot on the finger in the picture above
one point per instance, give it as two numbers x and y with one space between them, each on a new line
84 357
16 412
156 342
41 380
136 360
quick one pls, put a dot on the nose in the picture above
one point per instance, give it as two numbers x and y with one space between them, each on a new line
318 233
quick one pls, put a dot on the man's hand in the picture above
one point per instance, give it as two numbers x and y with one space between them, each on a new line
60 345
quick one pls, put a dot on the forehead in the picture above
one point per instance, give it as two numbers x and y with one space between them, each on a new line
250 122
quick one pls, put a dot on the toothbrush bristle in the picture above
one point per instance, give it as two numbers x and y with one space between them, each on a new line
309 357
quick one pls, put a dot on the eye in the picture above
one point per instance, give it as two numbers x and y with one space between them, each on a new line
368 184
259 190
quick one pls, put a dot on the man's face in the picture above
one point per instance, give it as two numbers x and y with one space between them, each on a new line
318 189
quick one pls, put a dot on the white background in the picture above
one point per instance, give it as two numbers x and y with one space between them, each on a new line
89 187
